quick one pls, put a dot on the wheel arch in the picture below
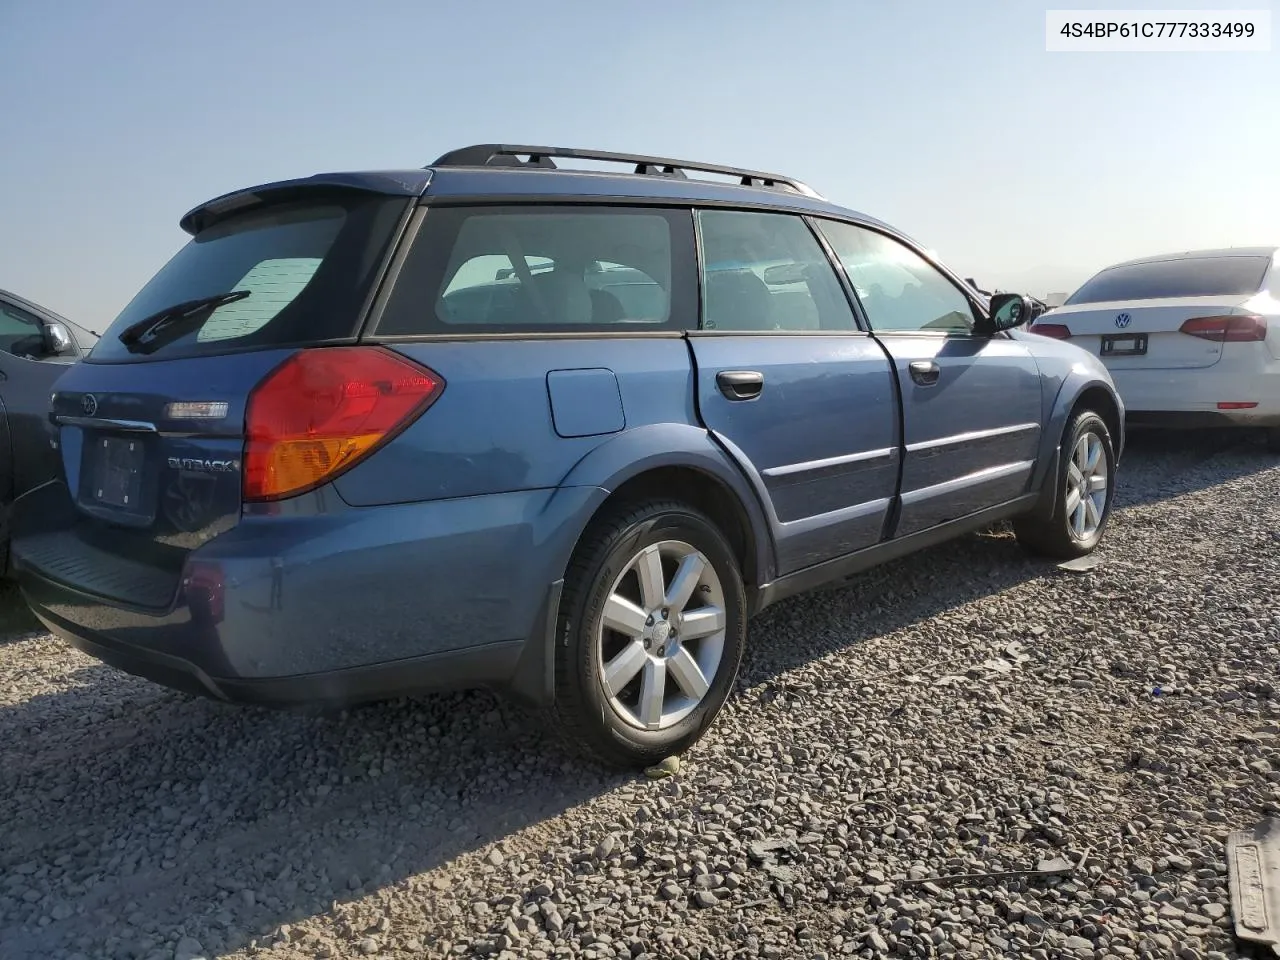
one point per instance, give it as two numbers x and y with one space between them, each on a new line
663 460
679 462
1104 402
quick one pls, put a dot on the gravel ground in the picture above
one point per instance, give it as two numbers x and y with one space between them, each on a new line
963 711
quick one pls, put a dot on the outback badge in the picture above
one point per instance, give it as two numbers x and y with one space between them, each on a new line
195 465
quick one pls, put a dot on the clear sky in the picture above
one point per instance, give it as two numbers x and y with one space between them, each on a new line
1025 169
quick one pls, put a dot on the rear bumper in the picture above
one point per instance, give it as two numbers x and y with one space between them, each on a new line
348 605
1190 398
490 664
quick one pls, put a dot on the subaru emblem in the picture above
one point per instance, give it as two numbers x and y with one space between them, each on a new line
89 404
1122 320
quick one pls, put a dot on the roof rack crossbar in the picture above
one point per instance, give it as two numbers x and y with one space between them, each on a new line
508 155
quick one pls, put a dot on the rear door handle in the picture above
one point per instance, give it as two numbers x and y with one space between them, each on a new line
740 384
924 372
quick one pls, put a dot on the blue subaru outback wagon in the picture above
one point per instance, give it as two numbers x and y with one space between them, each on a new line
558 432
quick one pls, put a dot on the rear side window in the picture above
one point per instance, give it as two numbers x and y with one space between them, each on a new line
305 267
1167 279
530 269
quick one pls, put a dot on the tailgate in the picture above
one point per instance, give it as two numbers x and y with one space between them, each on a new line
151 468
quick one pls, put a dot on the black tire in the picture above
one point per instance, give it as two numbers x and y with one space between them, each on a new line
1273 439
1046 530
582 713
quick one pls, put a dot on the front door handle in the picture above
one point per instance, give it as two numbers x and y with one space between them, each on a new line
740 384
924 372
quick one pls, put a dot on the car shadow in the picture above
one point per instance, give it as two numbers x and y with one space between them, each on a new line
179 803
133 811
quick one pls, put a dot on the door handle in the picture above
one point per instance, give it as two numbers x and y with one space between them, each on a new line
740 384
924 372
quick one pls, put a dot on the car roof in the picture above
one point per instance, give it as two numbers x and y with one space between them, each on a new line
1201 255
494 171
533 182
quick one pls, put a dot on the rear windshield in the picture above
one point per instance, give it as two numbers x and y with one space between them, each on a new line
544 269
306 268
1164 279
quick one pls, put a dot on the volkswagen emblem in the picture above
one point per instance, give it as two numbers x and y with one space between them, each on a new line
1122 320
89 404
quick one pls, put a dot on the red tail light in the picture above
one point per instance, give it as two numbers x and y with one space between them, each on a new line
324 410
1237 405
1227 329
1059 331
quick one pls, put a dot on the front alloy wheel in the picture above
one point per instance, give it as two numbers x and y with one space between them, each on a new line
1086 487
1072 513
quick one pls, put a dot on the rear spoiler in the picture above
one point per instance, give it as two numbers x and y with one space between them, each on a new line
398 183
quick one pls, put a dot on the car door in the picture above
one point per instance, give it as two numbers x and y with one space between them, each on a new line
971 403
27 376
791 386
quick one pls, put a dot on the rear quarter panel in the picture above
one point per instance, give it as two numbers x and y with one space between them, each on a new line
492 430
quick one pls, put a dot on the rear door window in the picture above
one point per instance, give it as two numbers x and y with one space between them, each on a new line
544 269
1170 279
767 272
305 267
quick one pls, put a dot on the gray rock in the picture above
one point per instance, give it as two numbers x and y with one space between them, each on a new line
704 898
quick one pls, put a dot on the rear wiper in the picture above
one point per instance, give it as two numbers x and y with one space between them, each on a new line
145 335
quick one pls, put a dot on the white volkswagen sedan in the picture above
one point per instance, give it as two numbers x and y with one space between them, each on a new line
1191 339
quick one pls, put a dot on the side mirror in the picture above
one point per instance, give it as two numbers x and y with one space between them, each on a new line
57 339
1009 310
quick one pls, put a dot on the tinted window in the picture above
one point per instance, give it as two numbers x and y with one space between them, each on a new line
1163 279
306 267
539 268
21 333
767 271
898 289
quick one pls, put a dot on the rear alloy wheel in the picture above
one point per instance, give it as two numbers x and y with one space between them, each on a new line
1071 522
652 624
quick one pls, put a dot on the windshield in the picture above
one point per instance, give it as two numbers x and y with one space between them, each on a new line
306 267
1167 279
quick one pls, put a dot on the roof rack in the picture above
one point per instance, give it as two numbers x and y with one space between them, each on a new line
509 155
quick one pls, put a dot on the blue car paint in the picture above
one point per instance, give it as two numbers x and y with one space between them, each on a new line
823 437
971 437
462 449
585 403
448 545
1067 374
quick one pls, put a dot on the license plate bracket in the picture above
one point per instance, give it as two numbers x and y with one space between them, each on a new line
116 478
1124 345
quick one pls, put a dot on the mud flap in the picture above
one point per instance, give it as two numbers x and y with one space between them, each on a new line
534 679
